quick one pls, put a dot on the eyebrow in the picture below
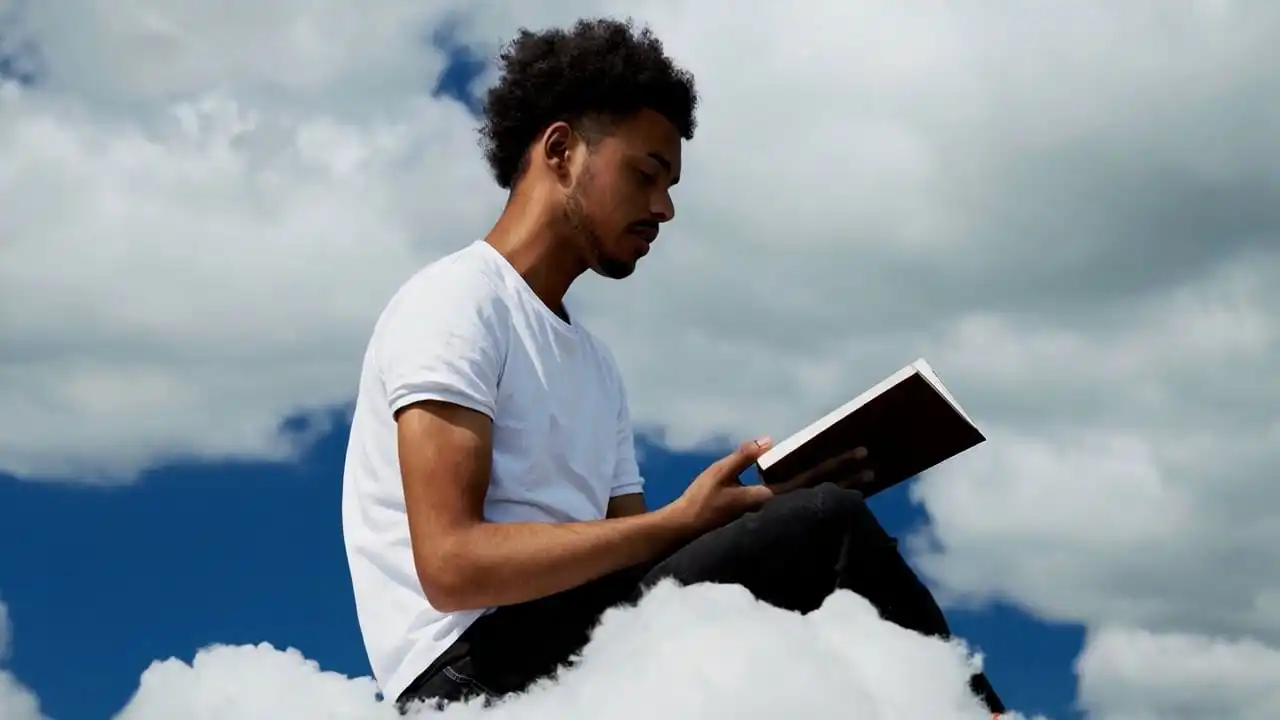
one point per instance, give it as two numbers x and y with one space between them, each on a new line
666 165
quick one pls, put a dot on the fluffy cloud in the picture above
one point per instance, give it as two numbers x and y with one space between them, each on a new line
17 702
328 52
207 206
183 279
1069 210
719 649
1103 510
1129 674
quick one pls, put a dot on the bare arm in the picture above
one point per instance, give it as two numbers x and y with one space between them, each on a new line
464 562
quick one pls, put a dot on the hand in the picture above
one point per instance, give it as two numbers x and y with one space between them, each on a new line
717 496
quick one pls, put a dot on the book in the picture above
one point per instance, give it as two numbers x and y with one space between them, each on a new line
909 422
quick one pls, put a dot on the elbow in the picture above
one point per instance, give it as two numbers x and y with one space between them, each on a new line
446 582
444 599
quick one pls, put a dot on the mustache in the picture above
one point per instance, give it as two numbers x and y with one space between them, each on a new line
644 224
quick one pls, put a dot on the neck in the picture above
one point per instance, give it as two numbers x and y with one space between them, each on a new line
528 235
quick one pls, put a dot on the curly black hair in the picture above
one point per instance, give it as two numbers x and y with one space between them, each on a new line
601 69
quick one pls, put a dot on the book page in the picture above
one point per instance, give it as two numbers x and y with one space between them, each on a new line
928 374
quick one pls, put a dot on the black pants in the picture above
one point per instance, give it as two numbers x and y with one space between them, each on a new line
791 553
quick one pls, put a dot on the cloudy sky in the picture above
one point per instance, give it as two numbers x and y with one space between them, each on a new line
1072 211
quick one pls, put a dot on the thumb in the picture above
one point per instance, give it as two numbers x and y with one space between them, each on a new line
736 462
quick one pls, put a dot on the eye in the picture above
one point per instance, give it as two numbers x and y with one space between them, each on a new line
645 176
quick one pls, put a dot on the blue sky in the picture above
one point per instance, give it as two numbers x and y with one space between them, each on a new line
102 581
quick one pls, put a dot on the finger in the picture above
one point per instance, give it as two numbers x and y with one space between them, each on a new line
831 466
827 468
757 495
861 479
736 462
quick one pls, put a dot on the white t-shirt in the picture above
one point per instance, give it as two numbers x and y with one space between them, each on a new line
467 329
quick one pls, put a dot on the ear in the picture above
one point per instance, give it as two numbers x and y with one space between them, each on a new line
556 148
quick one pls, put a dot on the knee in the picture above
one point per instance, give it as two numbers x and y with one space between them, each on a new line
826 499
822 507
825 504
847 509
837 502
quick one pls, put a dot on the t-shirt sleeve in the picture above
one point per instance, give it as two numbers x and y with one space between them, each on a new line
626 475
444 341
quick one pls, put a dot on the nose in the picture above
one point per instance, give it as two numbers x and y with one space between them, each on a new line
661 207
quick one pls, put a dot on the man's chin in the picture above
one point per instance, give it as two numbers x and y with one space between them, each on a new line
615 269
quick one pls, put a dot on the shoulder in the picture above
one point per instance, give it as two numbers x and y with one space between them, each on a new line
456 297
456 287
458 282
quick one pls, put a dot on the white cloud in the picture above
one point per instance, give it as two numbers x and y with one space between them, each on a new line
1069 210
1129 674
1154 467
329 51
182 280
719 651
17 702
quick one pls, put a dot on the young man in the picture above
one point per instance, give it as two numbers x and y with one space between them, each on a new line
492 503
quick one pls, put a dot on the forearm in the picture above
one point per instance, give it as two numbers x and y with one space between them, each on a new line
492 564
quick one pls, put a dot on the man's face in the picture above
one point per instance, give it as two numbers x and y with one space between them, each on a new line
622 192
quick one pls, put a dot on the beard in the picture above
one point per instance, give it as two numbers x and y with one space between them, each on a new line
579 224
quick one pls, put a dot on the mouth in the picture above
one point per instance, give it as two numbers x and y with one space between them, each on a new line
646 232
